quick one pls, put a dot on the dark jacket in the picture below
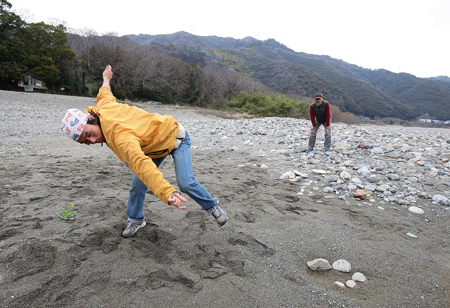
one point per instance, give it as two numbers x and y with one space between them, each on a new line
321 113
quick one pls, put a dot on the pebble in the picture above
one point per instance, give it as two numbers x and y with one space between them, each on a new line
319 265
339 284
328 189
439 199
370 187
393 177
342 266
331 178
350 283
287 175
362 193
383 187
416 210
344 175
358 277
403 202
411 235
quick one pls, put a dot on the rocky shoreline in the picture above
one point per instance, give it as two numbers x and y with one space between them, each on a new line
399 165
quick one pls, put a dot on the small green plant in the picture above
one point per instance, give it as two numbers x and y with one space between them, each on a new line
67 214
110 156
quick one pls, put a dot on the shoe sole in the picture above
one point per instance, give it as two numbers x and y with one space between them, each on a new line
226 219
142 225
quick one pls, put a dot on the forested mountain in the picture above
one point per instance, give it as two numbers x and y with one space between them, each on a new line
355 89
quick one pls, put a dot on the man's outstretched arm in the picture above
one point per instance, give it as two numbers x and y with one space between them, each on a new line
107 76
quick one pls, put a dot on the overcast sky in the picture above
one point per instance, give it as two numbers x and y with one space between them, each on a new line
409 36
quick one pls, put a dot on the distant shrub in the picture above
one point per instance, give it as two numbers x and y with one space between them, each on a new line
389 120
344 117
394 121
404 123
269 105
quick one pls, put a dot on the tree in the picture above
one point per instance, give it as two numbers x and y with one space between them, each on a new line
12 53
37 49
48 52
81 43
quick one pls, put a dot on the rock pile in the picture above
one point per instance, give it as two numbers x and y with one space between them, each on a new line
340 265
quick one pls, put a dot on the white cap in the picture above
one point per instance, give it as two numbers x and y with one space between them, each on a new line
73 123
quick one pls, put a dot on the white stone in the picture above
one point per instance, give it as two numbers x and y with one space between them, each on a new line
339 284
377 151
345 175
328 189
287 175
352 187
402 202
416 210
356 181
389 148
439 199
281 151
383 187
363 169
343 146
350 283
370 187
318 171
348 163
319 265
358 277
411 235
331 178
393 177
342 266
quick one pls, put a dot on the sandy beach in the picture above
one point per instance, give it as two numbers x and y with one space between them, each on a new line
182 258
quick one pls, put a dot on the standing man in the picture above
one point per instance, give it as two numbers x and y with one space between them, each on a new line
141 140
320 114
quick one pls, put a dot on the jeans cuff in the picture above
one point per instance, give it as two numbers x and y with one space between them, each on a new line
136 221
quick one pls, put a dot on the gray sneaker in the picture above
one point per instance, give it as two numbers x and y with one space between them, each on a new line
132 228
220 216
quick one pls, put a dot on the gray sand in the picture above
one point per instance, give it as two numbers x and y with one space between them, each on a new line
182 258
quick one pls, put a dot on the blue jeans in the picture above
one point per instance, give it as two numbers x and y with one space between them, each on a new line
185 180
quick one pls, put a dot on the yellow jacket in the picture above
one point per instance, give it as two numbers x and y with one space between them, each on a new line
136 136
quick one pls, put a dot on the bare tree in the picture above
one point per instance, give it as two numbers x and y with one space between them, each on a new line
142 72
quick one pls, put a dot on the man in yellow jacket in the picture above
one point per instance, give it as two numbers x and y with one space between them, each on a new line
141 140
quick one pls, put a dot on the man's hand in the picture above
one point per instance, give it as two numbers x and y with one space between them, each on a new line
175 199
328 127
313 128
107 76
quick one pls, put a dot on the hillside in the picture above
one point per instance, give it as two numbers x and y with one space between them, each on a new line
352 88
